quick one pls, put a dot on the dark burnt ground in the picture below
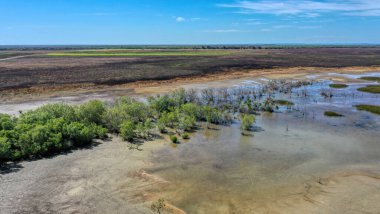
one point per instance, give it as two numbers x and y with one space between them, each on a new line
40 70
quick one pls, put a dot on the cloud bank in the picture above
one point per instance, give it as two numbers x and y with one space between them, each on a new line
308 8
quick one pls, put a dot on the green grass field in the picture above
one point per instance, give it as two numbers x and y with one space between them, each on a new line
136 54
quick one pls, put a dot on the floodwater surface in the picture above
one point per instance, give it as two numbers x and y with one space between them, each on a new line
296 161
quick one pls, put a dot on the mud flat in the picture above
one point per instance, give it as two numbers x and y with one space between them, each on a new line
101 179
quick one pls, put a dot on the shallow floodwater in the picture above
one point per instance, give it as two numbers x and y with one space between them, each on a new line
290 152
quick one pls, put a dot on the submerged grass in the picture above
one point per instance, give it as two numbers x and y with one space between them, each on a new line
284 102
371 78
370 108
374 89
133 54
338 86
332 114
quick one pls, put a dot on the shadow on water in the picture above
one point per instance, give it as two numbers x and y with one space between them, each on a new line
257 129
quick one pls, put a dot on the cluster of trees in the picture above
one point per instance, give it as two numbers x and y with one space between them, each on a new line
50 129
56 127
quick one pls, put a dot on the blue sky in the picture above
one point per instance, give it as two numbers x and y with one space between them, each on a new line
45 22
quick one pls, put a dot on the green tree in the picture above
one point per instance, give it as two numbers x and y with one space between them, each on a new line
92 112
192 109
144 129
6 122
186 123
127 130
79 133
5 149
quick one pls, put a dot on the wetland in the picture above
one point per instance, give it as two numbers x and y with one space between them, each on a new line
293 159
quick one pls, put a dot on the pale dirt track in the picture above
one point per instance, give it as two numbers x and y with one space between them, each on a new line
15 57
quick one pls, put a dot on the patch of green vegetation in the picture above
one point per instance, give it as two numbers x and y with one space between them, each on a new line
49 129
247 122
136 54
7 55
371 78
174 139
185 136
57 127
338 86
284 102
374 89
370 108
332 114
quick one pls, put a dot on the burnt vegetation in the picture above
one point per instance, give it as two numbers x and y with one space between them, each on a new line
38 68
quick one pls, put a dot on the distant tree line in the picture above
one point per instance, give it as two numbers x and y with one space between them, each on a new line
162 47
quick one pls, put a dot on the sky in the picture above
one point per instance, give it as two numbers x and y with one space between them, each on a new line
124 22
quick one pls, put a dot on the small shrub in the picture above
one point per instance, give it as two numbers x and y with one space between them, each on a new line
247 122
174 139
158 206
185 136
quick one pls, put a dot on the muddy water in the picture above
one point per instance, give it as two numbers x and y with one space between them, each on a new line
296 161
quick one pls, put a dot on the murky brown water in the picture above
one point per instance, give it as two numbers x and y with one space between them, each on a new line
283 167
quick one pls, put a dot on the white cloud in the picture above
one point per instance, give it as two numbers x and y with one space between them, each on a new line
365 13
96 14
224 31
183 19
308 8
180 19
